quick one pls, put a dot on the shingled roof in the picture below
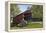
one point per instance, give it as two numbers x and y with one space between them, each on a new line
27 11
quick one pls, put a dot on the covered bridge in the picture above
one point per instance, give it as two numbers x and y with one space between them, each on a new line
21 18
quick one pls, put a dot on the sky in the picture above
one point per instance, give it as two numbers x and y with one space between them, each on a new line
23 7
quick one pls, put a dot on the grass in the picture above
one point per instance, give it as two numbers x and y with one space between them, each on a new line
30 25
34 25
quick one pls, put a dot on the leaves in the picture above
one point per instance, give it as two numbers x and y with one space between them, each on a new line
37 11
14 9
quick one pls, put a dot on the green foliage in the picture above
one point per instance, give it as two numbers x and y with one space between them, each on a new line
14 9
37 11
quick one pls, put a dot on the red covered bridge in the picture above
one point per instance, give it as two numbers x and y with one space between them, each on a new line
22 17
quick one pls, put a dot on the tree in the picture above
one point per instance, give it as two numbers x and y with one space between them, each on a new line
14 10
37 11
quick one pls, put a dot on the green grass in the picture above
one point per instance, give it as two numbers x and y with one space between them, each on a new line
34 25
30 25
